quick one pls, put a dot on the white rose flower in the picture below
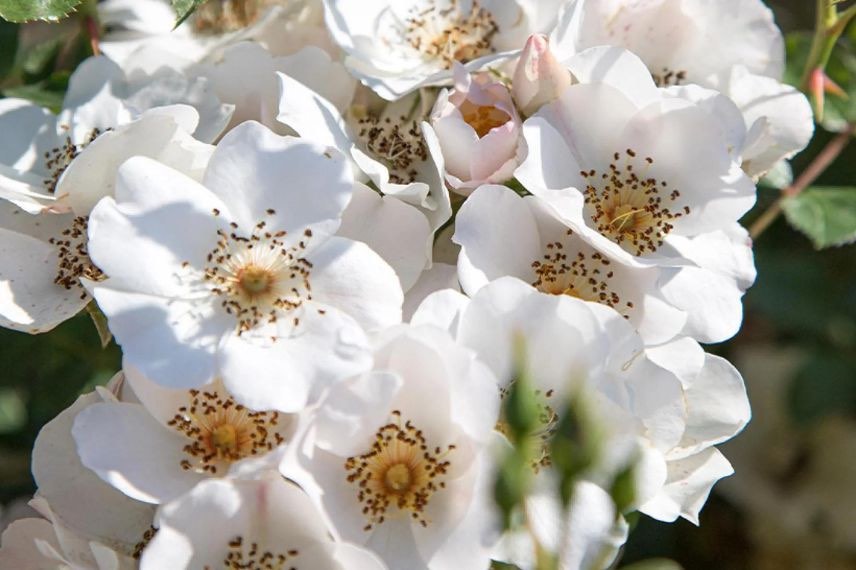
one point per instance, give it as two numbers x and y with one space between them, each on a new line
283 26
667 406
640 174
263 523
502 234
101 95
398 47
735 48
259 285
394 150
80 502
245 76
478 130
47 543
45 257
159 449
397 458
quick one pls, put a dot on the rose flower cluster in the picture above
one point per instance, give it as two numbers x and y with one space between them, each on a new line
331 238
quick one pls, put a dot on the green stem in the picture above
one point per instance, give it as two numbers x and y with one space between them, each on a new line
820 163
829 25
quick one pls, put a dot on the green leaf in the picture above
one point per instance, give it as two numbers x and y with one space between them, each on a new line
13 412
654 564
184 8
28 10
39 94
826 215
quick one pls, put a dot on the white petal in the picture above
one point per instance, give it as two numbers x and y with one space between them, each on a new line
487 253
72 489
92 175
351 277
292 371
688 486
396 231
172 342
717 406
30 301
148 221
129 449
254 170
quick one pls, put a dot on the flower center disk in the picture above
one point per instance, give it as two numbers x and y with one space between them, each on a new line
630 207
222 431
443 32
399 473
259 277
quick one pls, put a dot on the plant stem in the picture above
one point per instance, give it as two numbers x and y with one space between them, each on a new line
820 163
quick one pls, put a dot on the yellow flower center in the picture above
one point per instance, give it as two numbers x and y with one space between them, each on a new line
629 206
399 474
483 118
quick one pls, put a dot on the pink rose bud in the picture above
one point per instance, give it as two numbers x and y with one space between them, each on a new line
539 77
478 131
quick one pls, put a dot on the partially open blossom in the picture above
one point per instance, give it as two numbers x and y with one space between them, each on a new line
539 77
263 523
478 130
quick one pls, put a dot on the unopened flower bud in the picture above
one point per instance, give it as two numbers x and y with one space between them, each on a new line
539 77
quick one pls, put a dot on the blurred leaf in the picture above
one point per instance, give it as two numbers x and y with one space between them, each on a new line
779 177
827 215
38 94
8 47
37 59
184 8
623 489
825 384
654 564
13 412
27 10
497 565
798 45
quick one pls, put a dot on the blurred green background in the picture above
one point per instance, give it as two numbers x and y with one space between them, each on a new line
792 503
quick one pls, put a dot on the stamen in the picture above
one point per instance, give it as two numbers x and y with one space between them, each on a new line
399 472
399 146
74 262
629 208
223 431
222 16
448 34
587 276
483 118
669 78
259 277
58 158
243 556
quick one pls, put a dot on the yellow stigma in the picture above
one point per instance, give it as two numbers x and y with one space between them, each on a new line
483 118
398 478
254 280
224 438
